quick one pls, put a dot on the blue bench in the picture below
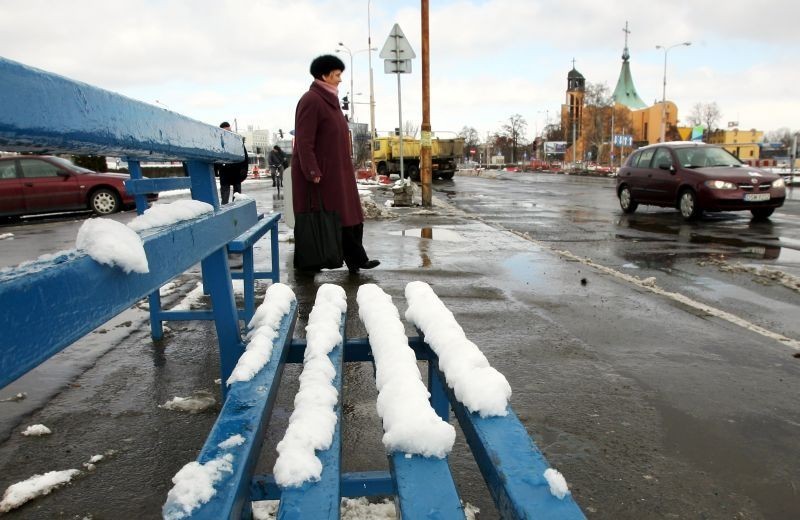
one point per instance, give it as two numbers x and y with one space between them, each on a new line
45 112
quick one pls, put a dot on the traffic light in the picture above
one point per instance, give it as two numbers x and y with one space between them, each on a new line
345 103
280 133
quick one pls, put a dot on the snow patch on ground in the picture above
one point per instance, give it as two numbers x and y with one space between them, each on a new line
199 401
36 486
36 430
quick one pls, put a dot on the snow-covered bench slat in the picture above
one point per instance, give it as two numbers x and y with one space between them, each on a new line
425 487
42 323
321 500
245 412
511 464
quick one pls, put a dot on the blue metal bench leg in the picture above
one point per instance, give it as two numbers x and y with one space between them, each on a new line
276 274
248 274
217 279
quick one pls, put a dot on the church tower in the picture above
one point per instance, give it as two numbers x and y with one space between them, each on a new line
625 93
572 111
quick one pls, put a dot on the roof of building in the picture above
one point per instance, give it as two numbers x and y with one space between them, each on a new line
625 93
574 74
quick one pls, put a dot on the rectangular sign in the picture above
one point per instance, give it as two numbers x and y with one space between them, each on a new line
397 66
623 140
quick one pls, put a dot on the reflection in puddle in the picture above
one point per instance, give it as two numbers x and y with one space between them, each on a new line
756 241
432 233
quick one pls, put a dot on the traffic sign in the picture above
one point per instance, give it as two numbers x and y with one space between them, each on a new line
397 53
623 140
397 66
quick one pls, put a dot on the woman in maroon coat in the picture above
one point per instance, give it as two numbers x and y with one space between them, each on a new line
321 159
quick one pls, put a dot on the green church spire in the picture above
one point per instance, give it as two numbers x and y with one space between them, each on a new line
625 93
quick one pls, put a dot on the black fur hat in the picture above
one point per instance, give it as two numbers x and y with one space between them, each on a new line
325 64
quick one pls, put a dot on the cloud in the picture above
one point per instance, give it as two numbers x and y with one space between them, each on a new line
226 59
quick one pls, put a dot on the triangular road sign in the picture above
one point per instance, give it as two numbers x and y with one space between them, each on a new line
397 46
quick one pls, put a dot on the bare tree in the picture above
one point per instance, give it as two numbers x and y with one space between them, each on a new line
781 135
596 120
471 137
514 132
361 144
410 128
705 114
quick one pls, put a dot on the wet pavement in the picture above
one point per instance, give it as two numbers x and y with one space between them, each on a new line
650 407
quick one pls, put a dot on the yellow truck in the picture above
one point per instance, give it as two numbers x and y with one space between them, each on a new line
444 153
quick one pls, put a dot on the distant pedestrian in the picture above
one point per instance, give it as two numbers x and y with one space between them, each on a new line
277 160
231 174
321 160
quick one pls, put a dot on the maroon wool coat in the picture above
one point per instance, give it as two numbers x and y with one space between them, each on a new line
322 149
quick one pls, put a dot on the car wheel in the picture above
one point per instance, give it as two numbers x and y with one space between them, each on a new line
382 168
447 176
687 204
626 201
104 201
761 213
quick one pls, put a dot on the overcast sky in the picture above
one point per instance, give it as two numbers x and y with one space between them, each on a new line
231 59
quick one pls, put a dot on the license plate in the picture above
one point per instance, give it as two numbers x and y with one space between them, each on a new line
755 197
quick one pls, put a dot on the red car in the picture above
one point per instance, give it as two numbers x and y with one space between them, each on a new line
32 184
695 177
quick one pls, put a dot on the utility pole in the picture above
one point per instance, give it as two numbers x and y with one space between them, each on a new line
425 141
371 97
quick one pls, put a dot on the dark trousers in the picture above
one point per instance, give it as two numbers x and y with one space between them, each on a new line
354 254
225 191
276 172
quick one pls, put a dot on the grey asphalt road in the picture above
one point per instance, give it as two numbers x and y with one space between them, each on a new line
650 405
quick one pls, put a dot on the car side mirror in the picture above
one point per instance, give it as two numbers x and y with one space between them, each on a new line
666 166
62 173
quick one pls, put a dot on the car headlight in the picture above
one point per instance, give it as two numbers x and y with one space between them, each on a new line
721 185
780 183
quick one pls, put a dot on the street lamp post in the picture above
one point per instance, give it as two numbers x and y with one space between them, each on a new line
352 100
371 95
664 89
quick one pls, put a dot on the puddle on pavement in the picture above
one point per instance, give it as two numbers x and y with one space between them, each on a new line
767 246
432 233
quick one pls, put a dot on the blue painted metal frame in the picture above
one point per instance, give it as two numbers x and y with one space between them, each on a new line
48 305
246 412
48 113
511 464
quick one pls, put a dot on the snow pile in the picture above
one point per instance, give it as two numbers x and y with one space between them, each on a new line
165 214
409 422
313 421
557 482
36 430
265 324
112 243
481 388
200 401
241 196
231 442
6 236
36 486
194 486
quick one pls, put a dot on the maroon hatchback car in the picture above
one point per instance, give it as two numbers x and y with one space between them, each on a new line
696 177
31 184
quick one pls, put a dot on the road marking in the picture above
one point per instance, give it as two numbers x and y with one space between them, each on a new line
649 285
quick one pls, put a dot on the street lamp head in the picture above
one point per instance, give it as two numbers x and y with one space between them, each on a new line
687 43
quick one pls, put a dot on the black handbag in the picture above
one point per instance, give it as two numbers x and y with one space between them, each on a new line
317 238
